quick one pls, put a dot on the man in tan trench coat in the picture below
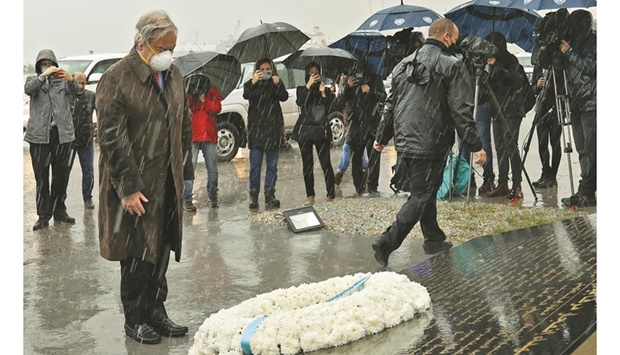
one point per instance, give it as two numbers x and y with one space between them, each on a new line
145 138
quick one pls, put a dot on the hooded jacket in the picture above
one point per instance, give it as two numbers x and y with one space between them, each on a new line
422 116
204 123
506 79
49 100
581 74
363 113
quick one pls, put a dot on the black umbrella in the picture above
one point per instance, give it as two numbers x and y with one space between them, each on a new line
267 40
332 60
223 70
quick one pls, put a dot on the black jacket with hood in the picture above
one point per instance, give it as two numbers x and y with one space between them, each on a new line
581 65
423 115
506 79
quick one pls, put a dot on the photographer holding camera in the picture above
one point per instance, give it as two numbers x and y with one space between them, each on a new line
50 133
579 49
264 92
362 95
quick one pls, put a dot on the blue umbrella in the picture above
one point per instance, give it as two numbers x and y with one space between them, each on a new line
481 17
400 17
552 4
366 46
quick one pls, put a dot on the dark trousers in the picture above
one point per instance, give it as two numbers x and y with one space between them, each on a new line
307 159
371 179
56 155
506 137
144 288
86 156
425 177
584 132
549 133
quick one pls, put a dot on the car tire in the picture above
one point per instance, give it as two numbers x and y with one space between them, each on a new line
336 123
228 141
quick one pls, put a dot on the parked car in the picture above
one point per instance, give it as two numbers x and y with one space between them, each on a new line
92 65
232 120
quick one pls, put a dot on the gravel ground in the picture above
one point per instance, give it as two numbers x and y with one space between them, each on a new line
461 221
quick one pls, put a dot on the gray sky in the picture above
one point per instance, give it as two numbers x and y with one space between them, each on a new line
108 25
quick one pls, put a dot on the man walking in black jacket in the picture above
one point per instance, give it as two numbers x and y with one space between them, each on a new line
432 95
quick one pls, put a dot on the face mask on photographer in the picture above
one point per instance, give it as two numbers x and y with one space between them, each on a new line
359 76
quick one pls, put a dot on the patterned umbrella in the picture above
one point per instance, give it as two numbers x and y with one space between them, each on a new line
551 4
399 17
481 17
366 46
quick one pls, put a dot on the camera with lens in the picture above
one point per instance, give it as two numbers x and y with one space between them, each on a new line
476 50
550 32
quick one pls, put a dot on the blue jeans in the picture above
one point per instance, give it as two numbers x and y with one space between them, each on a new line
209 152
345 158
483 125
271 170
87 157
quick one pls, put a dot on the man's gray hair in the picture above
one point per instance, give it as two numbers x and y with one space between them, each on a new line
152 21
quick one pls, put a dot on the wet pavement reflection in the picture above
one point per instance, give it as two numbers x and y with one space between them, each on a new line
71 294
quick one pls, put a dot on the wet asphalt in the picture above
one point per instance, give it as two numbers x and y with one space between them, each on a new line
71 301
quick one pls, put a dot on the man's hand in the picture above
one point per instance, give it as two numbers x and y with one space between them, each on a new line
63 74
481 157
365 88
564 46
541 82
50 71
378 146
491 61
133 203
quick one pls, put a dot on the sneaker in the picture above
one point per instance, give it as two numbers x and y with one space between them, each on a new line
578 200
431 248
329 198
309 201
89 205
373 193
189 206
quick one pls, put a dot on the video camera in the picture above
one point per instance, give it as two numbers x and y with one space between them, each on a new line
476 50
550 32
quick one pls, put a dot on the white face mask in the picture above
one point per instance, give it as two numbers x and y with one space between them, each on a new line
162 61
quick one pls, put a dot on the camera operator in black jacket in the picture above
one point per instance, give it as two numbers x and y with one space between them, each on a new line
505 81
579 48
432 95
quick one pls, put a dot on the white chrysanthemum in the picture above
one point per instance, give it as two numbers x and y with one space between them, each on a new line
301 318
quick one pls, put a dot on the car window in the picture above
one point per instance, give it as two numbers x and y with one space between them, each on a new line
285 76
300 77
247 70
103 65
525 61
73 66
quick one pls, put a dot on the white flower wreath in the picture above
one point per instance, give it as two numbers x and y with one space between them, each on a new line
313 316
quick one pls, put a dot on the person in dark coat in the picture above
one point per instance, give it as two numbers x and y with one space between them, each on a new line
50 134
145 139
83 107
363 95
312 130
264 92
505 80
432 95
580 52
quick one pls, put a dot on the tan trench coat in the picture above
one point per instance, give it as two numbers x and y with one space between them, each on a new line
143 134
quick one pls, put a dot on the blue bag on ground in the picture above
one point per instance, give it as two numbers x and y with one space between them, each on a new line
455 177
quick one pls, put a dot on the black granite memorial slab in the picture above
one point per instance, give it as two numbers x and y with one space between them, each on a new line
530 291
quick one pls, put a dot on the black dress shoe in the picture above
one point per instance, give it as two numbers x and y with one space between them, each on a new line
431 248
548 183
63 217
382 252
142 333
166 327
41 223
